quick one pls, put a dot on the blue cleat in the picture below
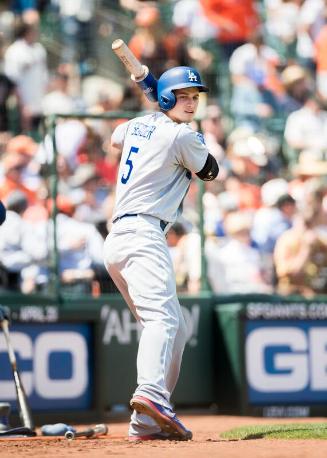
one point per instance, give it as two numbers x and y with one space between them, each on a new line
164 417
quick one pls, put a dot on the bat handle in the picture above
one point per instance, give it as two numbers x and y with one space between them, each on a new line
98 429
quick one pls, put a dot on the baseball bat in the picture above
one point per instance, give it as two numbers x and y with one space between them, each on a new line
89 432
24 409
140 74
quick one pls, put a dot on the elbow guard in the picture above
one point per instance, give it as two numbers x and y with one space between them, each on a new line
210 169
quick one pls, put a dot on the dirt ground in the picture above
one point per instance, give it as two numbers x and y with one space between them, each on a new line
206 443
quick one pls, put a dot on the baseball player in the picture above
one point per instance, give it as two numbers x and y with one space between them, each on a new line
159 154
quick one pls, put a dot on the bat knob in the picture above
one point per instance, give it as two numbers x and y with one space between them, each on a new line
117 44
69 435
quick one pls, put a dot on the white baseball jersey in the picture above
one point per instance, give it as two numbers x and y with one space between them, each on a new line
157 157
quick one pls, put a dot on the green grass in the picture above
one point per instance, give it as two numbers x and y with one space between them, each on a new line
286 431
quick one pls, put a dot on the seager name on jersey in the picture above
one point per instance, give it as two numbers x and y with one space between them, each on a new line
143 130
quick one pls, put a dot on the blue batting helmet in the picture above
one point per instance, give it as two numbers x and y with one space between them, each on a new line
177 78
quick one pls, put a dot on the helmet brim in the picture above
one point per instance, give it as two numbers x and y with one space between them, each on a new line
186 85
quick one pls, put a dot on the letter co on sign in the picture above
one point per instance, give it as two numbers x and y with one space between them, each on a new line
286 361
54 363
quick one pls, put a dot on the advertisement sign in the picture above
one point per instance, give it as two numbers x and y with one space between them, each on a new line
55 364
286 360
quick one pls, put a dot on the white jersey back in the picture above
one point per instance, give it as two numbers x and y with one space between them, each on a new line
154 173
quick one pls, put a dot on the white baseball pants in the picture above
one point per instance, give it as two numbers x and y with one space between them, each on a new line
137 259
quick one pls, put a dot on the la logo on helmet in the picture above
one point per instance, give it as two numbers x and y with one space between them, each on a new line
192 76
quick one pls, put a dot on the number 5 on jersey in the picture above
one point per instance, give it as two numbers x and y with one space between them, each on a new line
129 163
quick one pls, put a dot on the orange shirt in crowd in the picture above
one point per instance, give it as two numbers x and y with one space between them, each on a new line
249 196
8 186
236 19
321 50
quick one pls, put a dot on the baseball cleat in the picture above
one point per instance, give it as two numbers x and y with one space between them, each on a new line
150 437
164 417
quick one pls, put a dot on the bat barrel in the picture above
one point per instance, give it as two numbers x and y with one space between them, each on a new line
101 429
132 64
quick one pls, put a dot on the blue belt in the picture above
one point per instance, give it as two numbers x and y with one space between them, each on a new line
163 223
127 215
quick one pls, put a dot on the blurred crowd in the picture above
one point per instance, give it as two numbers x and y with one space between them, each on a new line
265 120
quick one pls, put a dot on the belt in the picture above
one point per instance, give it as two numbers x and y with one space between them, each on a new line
163 223
127 215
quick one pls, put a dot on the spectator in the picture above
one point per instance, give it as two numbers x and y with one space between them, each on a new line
87 191
76 22
147 43
227 203
248 156
70 136
235 266
25 64
7 21
108 165
311 165
13 166
27 10
252 103
235 22
306 128
301 252
275 216
58 100
189 14
271 220
310 21
214 132
320 44
13 258
7 88
27 148
282 24
255 57
184 249
79 244
297 86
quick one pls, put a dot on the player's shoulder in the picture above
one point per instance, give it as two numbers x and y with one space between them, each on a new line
156 117
188 135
